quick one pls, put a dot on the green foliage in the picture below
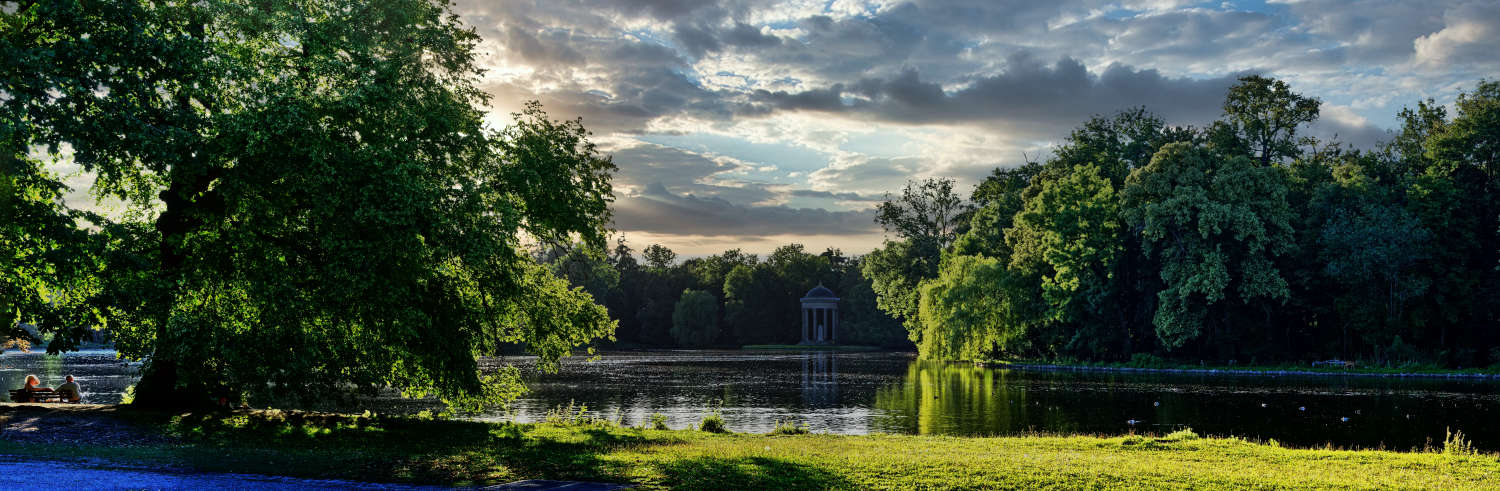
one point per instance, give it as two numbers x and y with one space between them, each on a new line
1182 435
966 313
658 256
1454 443
584 266
326 207
789 427
1147 360
1372 253
695 319
1216 227
896 271
659 421
713 422
927 213
576 415
1068 236
50 264
1265 114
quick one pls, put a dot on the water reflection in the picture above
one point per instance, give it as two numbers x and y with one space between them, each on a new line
820 379
101 375
856 393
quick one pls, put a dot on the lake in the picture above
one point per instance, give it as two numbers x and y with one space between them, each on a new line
859 393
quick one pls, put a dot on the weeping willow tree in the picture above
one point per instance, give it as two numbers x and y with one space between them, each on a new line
322 207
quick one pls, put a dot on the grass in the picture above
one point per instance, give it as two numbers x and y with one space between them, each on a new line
377 448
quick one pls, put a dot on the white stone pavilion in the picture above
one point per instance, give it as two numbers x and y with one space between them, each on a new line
820 316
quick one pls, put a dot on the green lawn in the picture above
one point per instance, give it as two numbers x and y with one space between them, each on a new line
469 453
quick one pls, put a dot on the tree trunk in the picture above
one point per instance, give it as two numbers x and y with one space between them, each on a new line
162 384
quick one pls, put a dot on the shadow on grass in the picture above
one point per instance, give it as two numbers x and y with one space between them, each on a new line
748 473
399 449
414 450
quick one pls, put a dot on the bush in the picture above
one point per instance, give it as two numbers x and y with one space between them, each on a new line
659 421
1182 435
576 415
713 422
1146 360
789 427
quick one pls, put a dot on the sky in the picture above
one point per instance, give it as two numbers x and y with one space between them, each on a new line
753 124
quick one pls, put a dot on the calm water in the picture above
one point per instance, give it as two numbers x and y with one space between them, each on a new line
856 393
101 376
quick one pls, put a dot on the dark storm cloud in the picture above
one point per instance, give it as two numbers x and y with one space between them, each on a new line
658 210
808 193
1052 97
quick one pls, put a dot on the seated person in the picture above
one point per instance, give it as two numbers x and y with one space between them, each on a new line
70 391
33 384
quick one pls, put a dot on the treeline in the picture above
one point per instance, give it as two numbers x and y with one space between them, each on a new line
1242 240
723 300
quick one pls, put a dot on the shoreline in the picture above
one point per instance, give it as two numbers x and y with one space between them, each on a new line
1264 372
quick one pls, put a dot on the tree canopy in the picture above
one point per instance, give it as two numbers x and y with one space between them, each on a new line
321 203
1241 240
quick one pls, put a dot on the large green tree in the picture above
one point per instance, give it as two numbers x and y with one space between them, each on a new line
1265 114
1068 237
967 313
328 209
1216 226
695 319
925 219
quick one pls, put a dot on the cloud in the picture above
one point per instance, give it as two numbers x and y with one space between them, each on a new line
809 105
1344 125
660 211
1029 94
1469 35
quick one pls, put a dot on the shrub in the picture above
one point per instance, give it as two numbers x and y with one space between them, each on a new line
1146 360
659 421
789 427
713 422
1182 435
575 414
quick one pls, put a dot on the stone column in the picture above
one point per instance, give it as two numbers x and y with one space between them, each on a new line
804 325
818 325
835 325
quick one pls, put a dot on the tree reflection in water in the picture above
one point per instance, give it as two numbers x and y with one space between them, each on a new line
944 398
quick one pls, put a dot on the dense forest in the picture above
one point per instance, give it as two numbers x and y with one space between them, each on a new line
1239 242
729 299
1242 241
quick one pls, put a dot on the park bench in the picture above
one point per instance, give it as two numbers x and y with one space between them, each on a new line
36 396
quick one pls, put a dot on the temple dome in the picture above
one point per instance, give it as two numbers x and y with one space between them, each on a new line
819 291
